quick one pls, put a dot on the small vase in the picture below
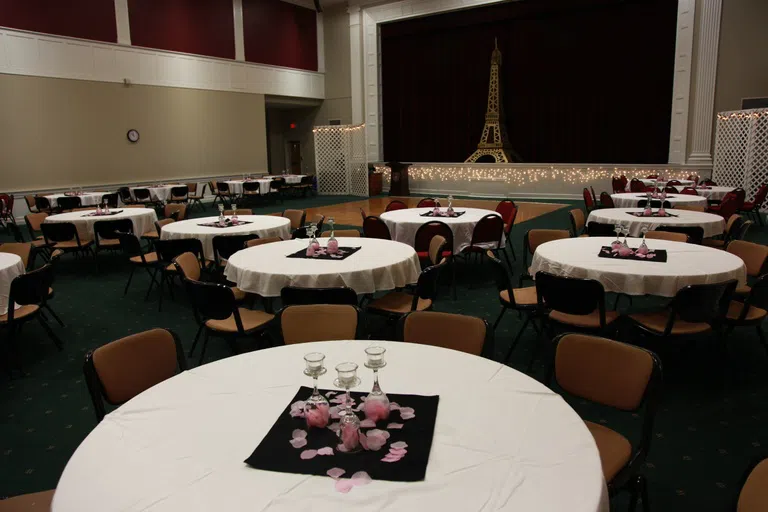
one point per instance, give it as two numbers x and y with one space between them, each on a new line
317 411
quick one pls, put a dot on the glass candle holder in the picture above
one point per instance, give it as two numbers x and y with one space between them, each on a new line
376 403
349 425
317 411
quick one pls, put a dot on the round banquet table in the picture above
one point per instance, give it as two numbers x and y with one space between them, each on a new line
236 186
11 266
713 224
143 220
379 265
714 193
652 183
502 441
160 192
404 223
263 225
86 199
630 199
686 264
292 179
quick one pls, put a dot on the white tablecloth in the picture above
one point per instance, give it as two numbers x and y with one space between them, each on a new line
630 199
652 183
292 179
159 192
10 267
263 225
87 199
403 225
236 186
713 224
143 220
380 265
714 193
686 264
502 441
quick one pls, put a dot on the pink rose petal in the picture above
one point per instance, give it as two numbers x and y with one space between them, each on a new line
308 454
378 432
340 448
394 406
298 433
327 450
364 442
388 458
407 410
398 451
334 426
335 473
399 444
376 410
359 407
330 394
344 485
404 416
298 442
395 425
361 478
367 424
363 398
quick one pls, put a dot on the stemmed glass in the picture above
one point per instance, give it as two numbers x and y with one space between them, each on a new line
349 425
221 214
643 249
316 408
313 245
234 213
616 243
333 244
625 232
449 211
376 403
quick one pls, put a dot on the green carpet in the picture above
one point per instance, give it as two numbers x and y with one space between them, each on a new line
709 427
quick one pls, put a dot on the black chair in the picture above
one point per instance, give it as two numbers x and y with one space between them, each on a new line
166 251
144 196
131 247
606 201
30 291
125 196
224 246
488 231
15 230
120 370
532 240
251 190
276 188
578 221
196 199
396 205
43 204
655 203
395 304
294 296
695 233
64 236
423 239
110 200
69 202
107 233
600 229
217 314
374 227
179 194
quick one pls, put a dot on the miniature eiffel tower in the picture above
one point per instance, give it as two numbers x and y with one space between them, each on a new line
494 142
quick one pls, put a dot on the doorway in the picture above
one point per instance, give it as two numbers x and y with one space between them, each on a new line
293 156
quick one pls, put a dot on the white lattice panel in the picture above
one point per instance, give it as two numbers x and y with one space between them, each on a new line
741 150
341 160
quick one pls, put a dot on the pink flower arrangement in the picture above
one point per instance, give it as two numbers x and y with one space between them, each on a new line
318 417
376 410
333 246
350 437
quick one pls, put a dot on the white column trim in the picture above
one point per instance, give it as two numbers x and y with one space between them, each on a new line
237 12
703 93
357 71
123 23
681 86
320 43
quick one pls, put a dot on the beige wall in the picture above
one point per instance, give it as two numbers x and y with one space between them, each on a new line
742 64
338 85
56 133
280 134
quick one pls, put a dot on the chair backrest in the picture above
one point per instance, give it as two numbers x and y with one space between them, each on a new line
130 245
317 220
500 276
125 194
212 184
652 177
319 322
110 199
577 221
729 205
604 371
167 250
179 193
30 199
760 196
600 229
636 185
739 236
436 249
733 226
292 296
240 211
571 295
30 288
606 200
213 301
674 182
188 266
300 233
427 231
695 233
262 241
69 202
120 370
34 221
667 235
427 202
456 332
589 203
59 231
374 227
426 286
222 187
192 188
21 249
277 183
752 497
142 194
700 303
345 233
160 223
297 217
753 255
111 229
224 246
671 189
252 186
42 203
396 205
489 229
535 237
508 211
176 211
617 185
690 191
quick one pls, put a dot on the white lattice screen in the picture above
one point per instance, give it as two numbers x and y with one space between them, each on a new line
741 150
341 160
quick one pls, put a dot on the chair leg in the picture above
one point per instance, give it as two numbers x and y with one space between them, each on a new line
51 334
537 347
501 314
517 338
639 489
206 337
152 283
506 257
53 314
130 278
197 337
160 300
763 341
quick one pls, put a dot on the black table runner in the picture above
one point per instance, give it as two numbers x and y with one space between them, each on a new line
227 224
659 256
431 213
654 214
102 214
344 253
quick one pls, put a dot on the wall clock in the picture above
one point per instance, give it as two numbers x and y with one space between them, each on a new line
133 135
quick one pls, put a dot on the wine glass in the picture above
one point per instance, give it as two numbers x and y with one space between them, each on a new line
234 213
349 425
617 242
317 411
376 403
333 244
625 232
643 249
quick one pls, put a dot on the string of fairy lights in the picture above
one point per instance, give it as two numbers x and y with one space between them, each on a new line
743 115
518 175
